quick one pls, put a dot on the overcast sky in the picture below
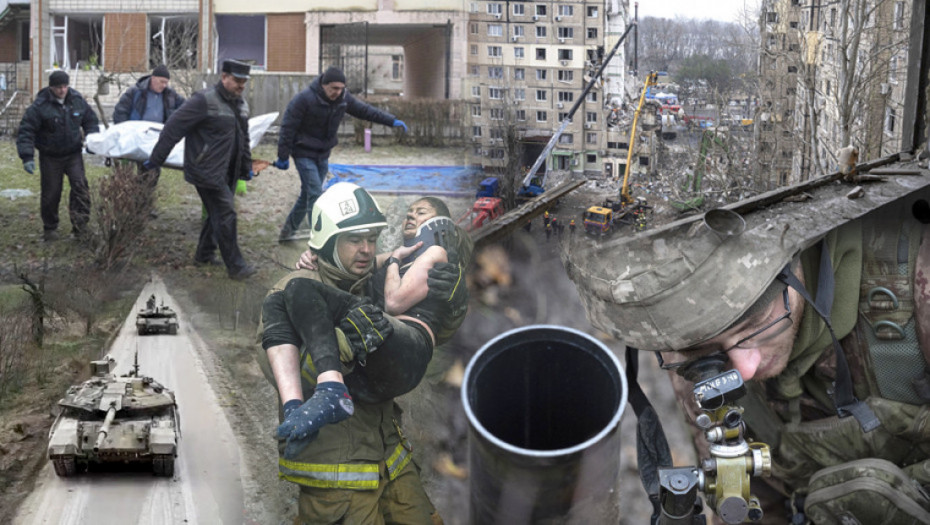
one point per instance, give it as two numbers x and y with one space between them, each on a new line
724 10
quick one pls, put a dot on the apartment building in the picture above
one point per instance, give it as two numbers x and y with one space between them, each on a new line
779 60
851 71
528 64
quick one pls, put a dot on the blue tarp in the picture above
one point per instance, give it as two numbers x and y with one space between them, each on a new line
452 181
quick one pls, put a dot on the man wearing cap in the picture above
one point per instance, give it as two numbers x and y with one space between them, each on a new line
215 124
151 100
826 315
309 133
56 124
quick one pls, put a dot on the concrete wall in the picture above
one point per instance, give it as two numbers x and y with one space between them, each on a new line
124 6
292 6
429 5
425 63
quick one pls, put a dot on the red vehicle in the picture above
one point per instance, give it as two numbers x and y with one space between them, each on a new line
484 210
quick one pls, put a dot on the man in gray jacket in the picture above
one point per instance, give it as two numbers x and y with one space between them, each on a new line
308 133
215 124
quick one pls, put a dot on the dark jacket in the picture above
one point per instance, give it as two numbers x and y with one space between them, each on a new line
311 121
55 129
216 126
131 105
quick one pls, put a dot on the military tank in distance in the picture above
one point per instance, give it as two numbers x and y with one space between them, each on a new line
155 319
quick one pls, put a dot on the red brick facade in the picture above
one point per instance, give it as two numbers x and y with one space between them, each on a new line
125 42
287 42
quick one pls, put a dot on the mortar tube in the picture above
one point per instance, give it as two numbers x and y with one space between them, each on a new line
544 404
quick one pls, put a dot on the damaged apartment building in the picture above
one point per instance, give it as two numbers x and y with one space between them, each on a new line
519 63
831 78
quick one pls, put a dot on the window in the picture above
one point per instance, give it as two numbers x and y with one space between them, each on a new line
494 9
566 32
397 67
566 96
592 11
590 116
592 97
893 69
566 10
519 93
474 70
540 31
540 10
565 54
496 153
792 69
828 88
518 10
495 30
473 7
889 120
519 52
566 138
497 113
476 131
899 15
591 138
519 73
518 31
24 40
495 134
771 17
793 25
238 36
566 75
495 72
473 28
473 49
540 53
644 161
540 74
476 151
495 51
541 116
591 32
476 91
476 110
541 95
174 38
495 93
520 114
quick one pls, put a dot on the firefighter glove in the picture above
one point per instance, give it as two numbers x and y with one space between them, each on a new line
329 404
400 124
446 283
281 164
365 328
29 166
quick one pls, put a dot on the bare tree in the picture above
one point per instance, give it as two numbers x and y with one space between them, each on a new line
15 346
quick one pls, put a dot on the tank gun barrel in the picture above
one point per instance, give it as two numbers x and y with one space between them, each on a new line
105 428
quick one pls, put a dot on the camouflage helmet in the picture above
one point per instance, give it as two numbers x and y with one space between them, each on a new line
688 281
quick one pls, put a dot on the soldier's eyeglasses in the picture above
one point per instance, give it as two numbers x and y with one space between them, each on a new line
767 332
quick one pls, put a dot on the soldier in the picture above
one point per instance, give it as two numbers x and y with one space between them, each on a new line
827 316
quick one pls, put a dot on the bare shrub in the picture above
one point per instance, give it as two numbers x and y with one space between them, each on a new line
430 122
16 347
124 202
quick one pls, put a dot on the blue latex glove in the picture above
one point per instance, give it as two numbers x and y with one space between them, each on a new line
29 166
281 164
148 165
250 176
330 403
400 124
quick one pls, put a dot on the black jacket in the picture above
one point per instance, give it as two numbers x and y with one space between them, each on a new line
131 105
215 125
55 129
311 121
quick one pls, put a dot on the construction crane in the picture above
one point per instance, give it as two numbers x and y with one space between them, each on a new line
625 197
534 186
